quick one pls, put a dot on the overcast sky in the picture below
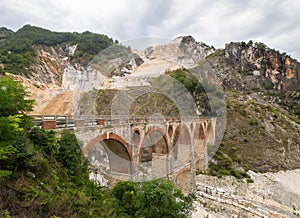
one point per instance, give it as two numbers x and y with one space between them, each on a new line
215 22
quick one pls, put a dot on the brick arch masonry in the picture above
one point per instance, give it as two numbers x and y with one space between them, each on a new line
118 162
107 136
145 152
160 130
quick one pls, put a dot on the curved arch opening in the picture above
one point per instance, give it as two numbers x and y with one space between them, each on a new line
199 132
200 147
157 140
136 137
182 142
175 142
109 155
154 152
185 137
119 159
170 131
210 133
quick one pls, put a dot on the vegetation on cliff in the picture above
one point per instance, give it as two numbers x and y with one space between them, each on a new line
17 49
260 134
158 101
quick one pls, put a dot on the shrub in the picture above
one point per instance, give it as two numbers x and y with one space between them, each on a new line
13 98
253 122
249 180
70 154
45 139
156 198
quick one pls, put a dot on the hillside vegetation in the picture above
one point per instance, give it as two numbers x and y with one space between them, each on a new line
262 125
43 174
17 50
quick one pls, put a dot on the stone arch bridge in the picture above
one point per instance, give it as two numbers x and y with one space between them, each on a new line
140 147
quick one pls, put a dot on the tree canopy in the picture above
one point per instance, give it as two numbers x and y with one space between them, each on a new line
14 98
156 198
13 145
17 49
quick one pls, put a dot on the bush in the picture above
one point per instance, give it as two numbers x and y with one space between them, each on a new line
160 198
249 180
224 165
70 155
46 140
156 198
253 122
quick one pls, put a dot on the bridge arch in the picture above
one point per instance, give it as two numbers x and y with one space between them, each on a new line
148 148
136 137
199 132
175 142
181 142
209 131
154 152
156 137
185 136
170 131
119 155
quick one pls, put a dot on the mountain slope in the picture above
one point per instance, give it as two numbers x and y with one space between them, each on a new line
261 85
261 92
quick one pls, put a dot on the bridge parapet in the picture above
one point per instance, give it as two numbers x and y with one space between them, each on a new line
70 122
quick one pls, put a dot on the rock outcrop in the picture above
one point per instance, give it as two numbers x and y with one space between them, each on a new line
264 68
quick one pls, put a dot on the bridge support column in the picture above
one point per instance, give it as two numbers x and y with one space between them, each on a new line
201 157
170 166
193 167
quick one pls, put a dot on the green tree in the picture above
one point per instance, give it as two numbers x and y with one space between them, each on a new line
70 155
46 140
13 144
124 192
7 149
156 198
14 98
160 198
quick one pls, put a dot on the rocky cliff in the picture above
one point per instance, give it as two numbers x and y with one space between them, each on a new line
264 68
268 71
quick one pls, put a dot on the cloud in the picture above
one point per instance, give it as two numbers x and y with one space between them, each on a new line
275 23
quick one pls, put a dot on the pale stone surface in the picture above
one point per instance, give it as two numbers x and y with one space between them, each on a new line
289 179
59 82
271 194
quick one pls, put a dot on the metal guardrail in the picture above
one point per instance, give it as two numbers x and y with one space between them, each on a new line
64 121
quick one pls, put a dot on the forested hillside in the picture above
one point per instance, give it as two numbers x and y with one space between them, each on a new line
17 50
